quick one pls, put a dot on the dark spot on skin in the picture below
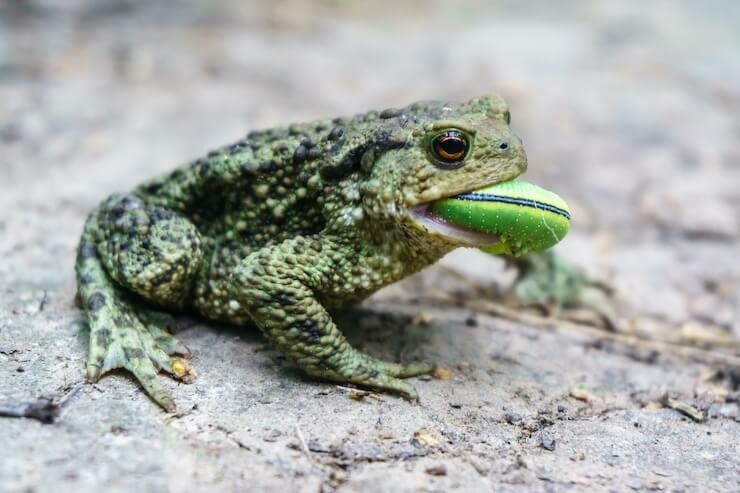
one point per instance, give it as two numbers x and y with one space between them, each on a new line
284 298
307 143
336 133
87 250
131 201
351 161
339 121
313 153
102 336
116 212
132 353
153 187
300 154
214 153
132 226
334 172
163 278
267 166
373 373
337 147
86 279
160 214
249 168
390 113
236 148
309 330
96 301
383 141
119 320
294 129
204 167
281 148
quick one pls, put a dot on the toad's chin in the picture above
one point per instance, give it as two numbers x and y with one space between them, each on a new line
432 223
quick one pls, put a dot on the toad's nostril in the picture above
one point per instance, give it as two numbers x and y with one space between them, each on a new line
503 146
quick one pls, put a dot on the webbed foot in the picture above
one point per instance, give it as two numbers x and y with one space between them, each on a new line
549 281
366 371
134 339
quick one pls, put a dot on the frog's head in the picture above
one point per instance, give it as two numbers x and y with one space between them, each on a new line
438 150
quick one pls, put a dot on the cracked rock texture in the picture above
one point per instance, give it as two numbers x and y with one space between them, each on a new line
629 111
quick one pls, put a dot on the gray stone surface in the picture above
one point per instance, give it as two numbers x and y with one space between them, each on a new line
631 112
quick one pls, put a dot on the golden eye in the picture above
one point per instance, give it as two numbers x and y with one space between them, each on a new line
450 146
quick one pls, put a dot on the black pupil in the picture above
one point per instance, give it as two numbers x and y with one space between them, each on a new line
452 144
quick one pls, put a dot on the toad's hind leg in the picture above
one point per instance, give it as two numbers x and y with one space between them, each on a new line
278 286
128 247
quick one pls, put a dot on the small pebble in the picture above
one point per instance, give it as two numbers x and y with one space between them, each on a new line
272 436
437 470
534 426
547 441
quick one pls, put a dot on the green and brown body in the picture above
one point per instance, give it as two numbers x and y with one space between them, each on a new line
279 228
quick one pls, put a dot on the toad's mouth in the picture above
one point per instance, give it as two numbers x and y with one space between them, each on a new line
433 223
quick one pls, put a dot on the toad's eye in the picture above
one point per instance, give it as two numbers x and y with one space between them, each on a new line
450 147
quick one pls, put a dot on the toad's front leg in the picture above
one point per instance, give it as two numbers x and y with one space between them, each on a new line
548 280
280 287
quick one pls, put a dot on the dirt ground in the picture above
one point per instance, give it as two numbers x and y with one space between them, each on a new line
629 110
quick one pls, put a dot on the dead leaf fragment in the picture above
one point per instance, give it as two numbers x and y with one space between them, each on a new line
422 319
428 438
684 408
580 393
442 373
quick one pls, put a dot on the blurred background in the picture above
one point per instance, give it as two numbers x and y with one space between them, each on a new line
629 110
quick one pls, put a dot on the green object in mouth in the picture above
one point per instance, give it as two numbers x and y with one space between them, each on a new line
525 218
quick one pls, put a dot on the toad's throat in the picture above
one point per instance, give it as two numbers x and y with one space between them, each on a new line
432 222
